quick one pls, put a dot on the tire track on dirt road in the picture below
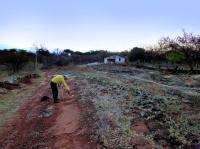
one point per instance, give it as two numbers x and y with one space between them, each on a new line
47 125
68 132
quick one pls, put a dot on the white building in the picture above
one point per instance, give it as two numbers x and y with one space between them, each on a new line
115 59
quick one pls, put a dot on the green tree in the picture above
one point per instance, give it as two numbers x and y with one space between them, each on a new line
136 54
175 57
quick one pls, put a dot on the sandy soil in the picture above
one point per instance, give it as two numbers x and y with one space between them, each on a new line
47 125
112 108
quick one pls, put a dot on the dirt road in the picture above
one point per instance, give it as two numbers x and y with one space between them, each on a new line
115 106
47 125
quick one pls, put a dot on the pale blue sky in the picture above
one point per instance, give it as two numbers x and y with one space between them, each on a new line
85 25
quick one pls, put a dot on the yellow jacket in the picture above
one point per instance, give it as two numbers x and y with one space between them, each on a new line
59 79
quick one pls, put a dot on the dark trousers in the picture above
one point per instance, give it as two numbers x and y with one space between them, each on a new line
54 91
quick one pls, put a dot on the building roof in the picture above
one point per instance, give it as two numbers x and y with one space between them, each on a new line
114 57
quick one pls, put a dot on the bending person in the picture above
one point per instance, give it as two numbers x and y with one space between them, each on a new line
55 81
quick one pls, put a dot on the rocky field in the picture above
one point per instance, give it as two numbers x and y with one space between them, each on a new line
138 108
110 107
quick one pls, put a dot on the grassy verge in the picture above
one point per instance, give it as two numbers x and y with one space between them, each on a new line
3 74
11 102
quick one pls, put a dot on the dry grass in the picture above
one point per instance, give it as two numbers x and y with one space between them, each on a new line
3 74
120 97
14 99
153 89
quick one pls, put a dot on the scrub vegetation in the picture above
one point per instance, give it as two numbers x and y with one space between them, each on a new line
150 102
133 111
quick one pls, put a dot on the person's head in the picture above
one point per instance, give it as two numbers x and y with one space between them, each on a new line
65 77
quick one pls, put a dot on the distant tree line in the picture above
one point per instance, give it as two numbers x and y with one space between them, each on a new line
184 49
16 59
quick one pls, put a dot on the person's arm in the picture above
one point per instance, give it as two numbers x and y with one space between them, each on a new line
66 86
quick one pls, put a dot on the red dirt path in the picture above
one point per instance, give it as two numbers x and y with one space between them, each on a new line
47 125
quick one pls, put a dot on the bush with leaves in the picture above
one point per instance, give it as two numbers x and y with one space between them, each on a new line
175 57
